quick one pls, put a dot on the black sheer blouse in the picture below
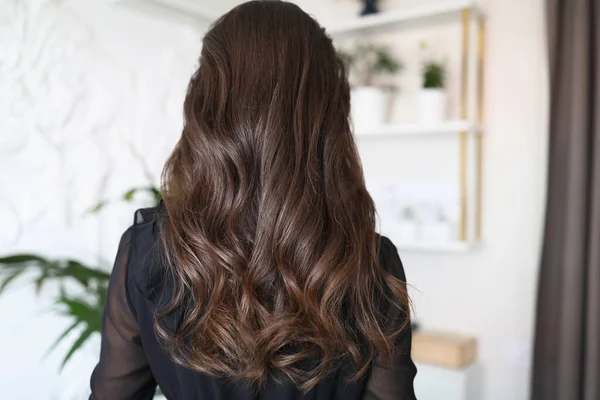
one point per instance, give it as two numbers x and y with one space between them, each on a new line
132 361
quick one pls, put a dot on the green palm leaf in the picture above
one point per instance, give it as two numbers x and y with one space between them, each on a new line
61 337
83 274
47 269
40 280
97 207
16 265
156 193
75 308
10 276
84 313
128 196
101 294
22 259
85 335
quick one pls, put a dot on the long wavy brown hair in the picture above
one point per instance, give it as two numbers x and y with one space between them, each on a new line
269 230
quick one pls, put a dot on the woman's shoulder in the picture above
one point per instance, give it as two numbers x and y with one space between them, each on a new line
149 287
146 261
145 231
389 258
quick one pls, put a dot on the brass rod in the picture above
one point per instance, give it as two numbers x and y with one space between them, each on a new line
480 67
463 144
479 138
466 20
463 185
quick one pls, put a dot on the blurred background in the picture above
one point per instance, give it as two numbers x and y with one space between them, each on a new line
450 107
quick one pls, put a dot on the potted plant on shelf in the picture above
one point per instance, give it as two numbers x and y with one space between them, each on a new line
438 228
368 64
432 96
370 7
408 227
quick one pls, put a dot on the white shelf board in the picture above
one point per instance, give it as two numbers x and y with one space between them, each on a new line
388 19
440 129
452 248
185 10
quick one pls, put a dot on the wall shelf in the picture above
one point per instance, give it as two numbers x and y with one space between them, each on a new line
445 128
443 248
466 131
189 11
389 20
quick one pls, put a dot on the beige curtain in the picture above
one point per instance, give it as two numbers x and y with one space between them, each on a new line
567 342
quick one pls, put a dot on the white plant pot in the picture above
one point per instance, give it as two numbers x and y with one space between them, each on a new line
431 106
407 231
437 232
368 106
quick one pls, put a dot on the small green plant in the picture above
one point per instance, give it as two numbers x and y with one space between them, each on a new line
128 197
434 75
368 61
433 71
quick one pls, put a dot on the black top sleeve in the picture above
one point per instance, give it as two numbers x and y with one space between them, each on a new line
123 371
395 381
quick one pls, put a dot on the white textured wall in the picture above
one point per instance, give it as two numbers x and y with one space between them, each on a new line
90 104
86 88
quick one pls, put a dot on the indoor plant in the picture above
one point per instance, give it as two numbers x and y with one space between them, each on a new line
408 226
370 7
82 288
82 303
432 96
368 64
438 227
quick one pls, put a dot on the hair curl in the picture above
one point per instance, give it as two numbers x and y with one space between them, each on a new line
269 230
